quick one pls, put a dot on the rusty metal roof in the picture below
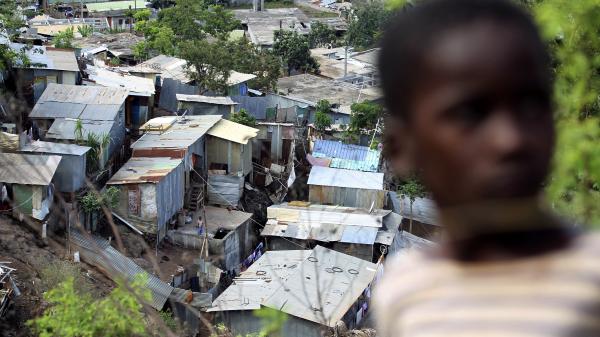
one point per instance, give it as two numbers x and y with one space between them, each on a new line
27 169
144 170
175 132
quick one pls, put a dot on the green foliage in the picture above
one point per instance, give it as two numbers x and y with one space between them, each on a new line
294 51
272 321
242 117
85 30
571 28
364 116
64 39
208 64
412 189
366 23
72 314
247 58
114 61
321 35
169 320
322 119
93 201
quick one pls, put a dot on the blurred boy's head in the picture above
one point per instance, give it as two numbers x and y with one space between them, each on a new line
468 89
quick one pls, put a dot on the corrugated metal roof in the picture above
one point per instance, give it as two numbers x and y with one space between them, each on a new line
220 100
324 286
359 235
168 67
63 128
325 223
260 280
137 86
114 5
318 214
327 176
9 141
100 253
55 148
237 77
27 169
347 156
144 170
180 135
232 131
217 217
77 101
47 57
173 67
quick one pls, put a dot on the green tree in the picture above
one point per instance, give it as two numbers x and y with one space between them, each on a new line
242 117
294 51
364 117
411 189
72 314
248 58
322 119
321 35
208 64
365 23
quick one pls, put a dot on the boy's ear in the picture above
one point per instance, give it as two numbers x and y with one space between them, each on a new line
398 147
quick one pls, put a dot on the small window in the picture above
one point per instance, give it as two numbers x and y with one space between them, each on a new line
120 22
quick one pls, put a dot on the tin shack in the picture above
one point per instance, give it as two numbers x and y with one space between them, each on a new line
65 113
317 288
332 186
353 231
151 193
205 105
70 174
229 155
28 182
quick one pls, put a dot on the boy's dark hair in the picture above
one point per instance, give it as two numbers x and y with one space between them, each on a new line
410 33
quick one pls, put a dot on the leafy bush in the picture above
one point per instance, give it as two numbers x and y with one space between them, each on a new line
72 314
85 30
93 201
64 39
242 117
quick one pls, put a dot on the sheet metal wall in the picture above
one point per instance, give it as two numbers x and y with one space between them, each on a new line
198 108
169 197
169 90
241 155
70 174
244 322
343 196
225 190
234 247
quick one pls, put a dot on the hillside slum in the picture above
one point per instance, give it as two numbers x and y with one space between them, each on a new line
128 170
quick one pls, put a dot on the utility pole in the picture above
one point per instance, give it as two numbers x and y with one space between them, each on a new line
346 60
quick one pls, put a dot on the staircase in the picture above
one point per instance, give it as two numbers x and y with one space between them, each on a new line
195 198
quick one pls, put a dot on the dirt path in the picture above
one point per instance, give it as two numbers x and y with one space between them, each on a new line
29 255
